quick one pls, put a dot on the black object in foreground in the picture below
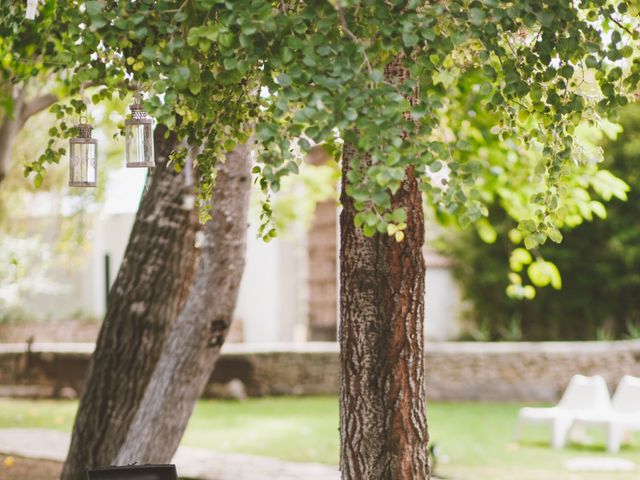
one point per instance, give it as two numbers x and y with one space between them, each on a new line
134 472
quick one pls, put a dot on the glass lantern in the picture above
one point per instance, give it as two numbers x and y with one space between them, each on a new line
83 157
139 137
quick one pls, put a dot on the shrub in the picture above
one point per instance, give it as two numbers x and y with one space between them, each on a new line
599 262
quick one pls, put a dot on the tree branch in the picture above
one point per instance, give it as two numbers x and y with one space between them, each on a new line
352 36
37 105
619 24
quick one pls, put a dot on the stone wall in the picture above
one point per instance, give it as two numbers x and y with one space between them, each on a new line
455 371
523 371
52 331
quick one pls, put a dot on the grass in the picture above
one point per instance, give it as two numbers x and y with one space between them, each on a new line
476 437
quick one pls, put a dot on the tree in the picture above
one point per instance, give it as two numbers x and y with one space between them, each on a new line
152 283
597 298
11 123
309 72
194 343
383 431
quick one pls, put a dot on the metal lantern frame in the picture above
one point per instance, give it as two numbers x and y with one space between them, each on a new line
81 162
139 124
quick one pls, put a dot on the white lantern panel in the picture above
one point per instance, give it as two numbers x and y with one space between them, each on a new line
139 144
82 163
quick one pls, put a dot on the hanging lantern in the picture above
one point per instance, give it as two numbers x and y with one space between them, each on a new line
139 136
83 157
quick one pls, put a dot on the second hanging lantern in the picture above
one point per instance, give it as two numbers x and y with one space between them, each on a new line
139 136
83 156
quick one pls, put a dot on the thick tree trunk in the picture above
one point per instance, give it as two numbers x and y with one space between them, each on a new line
383 426
194 343
143 304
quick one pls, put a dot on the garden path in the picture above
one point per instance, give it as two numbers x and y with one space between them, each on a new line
194 463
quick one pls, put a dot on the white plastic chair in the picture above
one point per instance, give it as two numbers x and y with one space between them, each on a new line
582 396
622 418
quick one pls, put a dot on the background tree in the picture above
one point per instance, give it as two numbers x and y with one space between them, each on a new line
598 298
12 121
29 52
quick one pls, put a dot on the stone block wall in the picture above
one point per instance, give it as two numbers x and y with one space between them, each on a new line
522 371
529 372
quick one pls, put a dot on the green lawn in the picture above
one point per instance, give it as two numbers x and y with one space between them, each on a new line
476 438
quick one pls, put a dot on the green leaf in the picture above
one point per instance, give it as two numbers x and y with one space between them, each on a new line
376 76
598 208
369 231
94 7
477 16
284 80
544 273
518 259
410 39
555 235
351 114
546 18
530 243
370 219
486 231
399 215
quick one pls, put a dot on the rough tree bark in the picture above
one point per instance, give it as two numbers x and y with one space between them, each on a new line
383 427
194 343
383 424
142 305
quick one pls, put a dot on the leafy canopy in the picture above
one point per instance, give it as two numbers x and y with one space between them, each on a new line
300 73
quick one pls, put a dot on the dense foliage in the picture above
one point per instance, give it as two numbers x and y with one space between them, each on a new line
599 262
299 73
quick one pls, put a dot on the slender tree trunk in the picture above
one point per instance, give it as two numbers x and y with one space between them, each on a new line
383 428
142 305
193 345
9 129
10 126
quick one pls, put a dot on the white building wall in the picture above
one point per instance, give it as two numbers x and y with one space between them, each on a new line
272 304
258 299
442 304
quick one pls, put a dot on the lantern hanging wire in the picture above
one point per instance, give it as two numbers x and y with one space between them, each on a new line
83 156
139 136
